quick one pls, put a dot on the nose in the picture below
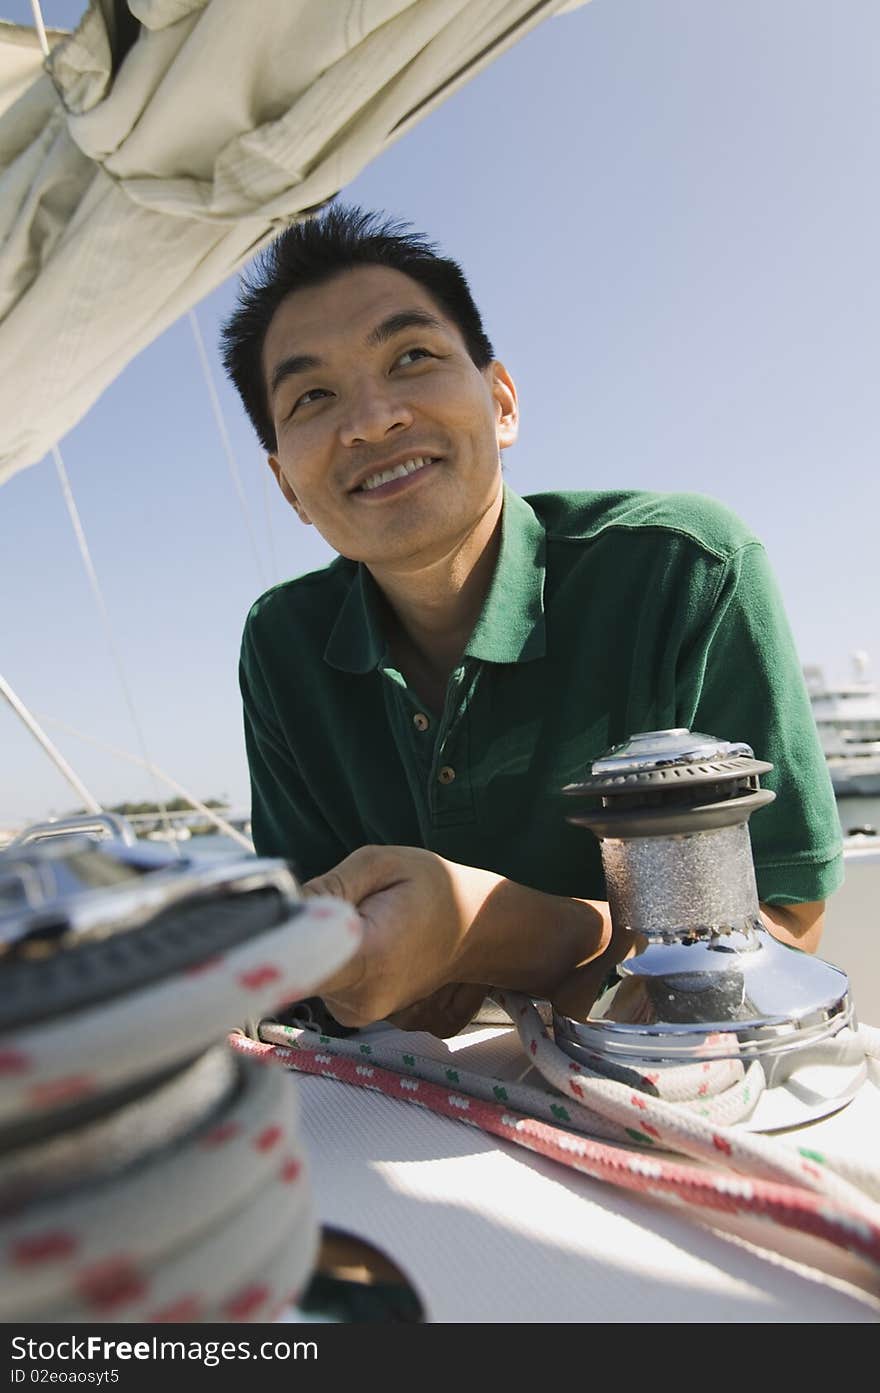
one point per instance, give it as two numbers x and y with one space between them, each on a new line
374 413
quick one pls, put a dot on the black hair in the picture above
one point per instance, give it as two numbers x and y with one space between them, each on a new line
309 252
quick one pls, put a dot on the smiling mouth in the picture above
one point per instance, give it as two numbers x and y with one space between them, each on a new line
383 477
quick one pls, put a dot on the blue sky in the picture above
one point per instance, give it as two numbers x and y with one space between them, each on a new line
668 211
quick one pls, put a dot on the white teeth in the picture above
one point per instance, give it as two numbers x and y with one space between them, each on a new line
398 472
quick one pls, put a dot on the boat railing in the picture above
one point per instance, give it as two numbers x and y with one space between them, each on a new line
104 826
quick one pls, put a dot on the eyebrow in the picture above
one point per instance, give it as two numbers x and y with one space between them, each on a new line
404 319
289 367
394 324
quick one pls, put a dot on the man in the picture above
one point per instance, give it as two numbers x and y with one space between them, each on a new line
413 711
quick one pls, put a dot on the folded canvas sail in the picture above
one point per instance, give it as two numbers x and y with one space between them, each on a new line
165 141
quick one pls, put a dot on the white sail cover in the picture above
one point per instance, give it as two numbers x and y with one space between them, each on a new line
164 141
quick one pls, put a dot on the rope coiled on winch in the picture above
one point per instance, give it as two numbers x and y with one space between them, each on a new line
147 1173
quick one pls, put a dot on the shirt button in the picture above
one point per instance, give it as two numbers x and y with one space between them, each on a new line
447 774
420 721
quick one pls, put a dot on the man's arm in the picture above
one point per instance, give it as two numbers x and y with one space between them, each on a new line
799 925
432 926
435 933
796 840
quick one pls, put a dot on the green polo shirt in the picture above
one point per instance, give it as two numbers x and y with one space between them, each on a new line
608 614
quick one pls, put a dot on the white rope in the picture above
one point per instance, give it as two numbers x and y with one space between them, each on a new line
193 1202
196 1224
675 1125
82 1155
202 1207
66 1058
226 442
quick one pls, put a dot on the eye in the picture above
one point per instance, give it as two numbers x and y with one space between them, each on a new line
414 354
313 394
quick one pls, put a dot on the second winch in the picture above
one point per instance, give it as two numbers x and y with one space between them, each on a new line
703 976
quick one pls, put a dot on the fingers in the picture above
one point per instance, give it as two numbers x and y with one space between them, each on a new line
445 1012
344 1015
331 883
365 871
577 993
340 984
367 987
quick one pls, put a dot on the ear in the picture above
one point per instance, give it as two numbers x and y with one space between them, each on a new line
503 391
288 492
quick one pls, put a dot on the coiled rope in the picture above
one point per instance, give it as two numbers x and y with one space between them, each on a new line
791 1186
148 1173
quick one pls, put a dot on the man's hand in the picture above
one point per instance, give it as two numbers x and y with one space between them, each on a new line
445 1012
575 995
418 911
433 927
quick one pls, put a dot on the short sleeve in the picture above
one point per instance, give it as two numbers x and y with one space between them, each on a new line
742 680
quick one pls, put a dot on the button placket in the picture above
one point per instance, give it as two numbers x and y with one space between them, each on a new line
450 796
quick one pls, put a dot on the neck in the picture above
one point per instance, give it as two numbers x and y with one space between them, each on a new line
435 604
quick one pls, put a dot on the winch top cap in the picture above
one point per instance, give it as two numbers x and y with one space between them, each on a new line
657 749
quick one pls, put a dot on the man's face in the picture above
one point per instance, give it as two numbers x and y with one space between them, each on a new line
367 377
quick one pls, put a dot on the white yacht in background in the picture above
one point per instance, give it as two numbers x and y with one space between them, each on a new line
170 834
848 719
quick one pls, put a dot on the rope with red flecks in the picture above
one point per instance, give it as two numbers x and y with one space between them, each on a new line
721 1092
793 1187
190 1202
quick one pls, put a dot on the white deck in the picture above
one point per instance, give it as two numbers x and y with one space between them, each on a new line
489 1232
852 927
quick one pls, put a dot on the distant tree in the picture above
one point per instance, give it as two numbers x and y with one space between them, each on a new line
174 805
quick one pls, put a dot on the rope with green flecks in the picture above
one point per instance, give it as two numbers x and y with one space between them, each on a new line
796 1187
727 1104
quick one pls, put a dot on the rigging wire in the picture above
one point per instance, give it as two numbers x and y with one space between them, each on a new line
90 803
40 27
108 629
226 442
210 813
273 556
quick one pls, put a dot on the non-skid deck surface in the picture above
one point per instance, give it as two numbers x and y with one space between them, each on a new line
487 1231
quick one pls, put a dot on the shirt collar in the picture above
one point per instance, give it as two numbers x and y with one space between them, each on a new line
357 642
510 628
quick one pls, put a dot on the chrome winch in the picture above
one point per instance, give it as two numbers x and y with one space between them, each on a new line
704 978
148 1172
